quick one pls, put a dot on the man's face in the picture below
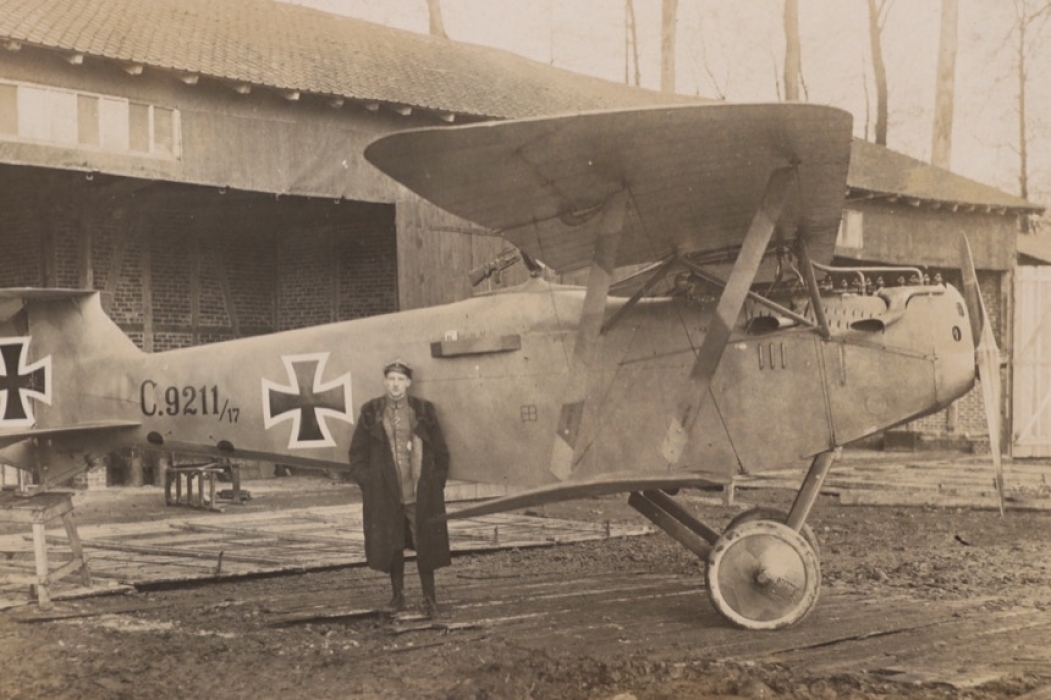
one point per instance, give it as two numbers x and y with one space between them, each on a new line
397 384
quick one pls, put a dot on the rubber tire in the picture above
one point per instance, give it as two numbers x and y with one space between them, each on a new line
778 516
748 591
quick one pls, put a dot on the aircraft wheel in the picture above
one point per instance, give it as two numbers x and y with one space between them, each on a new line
778 516
763 575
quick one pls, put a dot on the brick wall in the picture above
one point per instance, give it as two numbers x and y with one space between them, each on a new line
20 263
339 268
306 285
260 264
368 270
248 258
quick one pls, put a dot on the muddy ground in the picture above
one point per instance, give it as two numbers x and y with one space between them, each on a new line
237 640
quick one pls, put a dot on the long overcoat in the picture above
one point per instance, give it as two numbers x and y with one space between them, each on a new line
372 467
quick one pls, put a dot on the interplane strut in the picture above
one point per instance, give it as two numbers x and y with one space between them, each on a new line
779 189
600 277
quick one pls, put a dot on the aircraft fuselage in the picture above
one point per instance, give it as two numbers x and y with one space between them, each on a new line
497 365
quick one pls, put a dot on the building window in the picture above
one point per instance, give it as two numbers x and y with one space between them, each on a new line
8 110
88 120
851 230
67 118
113 124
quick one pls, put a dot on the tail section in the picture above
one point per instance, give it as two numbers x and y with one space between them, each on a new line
59 352
64 321
54 339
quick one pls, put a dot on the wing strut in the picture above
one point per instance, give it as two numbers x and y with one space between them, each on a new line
757 298
658 275
779 189
599 278
811 283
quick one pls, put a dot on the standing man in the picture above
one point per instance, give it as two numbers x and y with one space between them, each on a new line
399 458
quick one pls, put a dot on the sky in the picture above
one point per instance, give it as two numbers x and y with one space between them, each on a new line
733 50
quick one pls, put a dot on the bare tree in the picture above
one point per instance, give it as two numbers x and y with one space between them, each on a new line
631 39
717 86
434 9
877 20
1030 18
944 95
669 12
868 98
793 52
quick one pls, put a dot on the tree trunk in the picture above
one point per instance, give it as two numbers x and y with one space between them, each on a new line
633 40
1023 151
669 11
792 51
434 9
944 96
1023 137
879 70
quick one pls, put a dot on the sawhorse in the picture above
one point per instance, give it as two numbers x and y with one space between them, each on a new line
202 473
39 510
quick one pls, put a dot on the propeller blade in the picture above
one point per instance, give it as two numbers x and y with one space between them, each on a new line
987 358
971 294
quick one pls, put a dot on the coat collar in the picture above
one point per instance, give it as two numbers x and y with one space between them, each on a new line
375 407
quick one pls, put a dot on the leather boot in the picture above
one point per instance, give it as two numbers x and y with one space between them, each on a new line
430 599
397 584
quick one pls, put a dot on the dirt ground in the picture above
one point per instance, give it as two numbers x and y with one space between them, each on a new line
220 640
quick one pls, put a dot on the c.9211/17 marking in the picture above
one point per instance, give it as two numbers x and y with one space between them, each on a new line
184 400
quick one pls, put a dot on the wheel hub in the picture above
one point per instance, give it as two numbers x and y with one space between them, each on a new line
763 575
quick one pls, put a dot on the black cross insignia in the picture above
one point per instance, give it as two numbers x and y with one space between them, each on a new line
19 382
306 401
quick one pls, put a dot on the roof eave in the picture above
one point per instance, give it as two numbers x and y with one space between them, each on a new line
244 87
863 194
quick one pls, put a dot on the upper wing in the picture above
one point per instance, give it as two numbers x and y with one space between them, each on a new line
695 176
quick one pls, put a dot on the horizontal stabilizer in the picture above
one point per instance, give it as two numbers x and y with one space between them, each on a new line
9 437
603 486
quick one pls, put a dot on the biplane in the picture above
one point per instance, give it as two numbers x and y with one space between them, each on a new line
732 347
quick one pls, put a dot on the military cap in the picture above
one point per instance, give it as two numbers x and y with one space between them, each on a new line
398 365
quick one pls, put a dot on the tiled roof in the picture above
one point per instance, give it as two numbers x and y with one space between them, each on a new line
290 47
1036 246
878 170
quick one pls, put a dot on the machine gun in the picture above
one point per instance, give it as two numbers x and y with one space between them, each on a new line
501 262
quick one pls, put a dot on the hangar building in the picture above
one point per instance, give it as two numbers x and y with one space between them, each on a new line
201 164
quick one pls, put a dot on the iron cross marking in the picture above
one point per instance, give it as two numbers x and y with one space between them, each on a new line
19 382
307 401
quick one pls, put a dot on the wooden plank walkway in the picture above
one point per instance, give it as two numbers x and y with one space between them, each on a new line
960 643
966 481
230 545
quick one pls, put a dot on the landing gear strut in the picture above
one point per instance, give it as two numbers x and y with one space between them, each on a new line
763 572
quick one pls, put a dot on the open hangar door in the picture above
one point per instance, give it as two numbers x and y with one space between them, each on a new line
183 265
180 265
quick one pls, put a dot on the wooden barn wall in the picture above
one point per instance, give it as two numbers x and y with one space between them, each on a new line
259 141
437 250
901 234
1031 380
